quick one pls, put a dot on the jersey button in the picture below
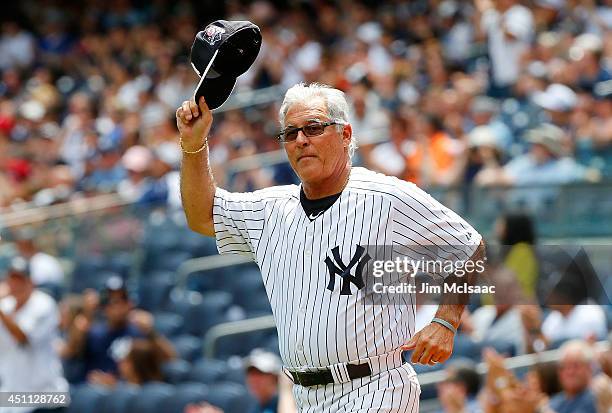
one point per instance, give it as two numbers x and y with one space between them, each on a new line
299 347
303 310
307 252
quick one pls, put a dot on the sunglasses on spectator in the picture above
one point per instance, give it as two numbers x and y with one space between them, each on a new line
312 129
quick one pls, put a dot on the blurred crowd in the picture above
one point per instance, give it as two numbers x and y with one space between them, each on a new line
443 92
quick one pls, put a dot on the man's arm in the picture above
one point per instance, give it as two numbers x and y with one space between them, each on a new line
197 183
434 343
13 329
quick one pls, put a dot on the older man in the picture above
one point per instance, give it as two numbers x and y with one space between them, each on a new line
575 374
343 352
29 321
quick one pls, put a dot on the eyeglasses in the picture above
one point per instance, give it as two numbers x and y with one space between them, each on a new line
312 129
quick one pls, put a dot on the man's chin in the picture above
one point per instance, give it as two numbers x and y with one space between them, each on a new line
309 171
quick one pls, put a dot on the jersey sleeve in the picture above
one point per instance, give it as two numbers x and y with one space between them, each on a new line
239 219
424 229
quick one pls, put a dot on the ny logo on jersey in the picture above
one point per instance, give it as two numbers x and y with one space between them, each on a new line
344 271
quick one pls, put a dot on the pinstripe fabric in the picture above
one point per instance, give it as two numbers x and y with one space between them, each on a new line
318 327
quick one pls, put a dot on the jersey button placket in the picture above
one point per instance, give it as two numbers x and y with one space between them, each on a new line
308 245
302 309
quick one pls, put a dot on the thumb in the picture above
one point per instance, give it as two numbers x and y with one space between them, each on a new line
411 344
203 105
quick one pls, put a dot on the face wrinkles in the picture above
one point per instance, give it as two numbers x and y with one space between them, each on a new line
315 159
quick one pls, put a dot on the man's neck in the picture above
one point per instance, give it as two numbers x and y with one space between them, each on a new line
329 186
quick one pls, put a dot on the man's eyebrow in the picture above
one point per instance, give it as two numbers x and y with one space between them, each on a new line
290 125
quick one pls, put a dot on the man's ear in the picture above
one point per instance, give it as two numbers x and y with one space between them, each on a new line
347 134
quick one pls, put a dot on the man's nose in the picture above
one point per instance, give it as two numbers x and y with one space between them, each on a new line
302 139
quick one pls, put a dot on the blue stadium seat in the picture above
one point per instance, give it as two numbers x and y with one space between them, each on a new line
186 393
86 398
208 371
150 397
176 371
231 397
121 263
154 291
212 310
187 346
119 400
168 324
235 372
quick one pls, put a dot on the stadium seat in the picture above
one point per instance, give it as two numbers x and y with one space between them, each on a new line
168 324
176 371
154 291
230 397
208 371
119 400
185 394
86 398
235 372
199 317
150 397
187 346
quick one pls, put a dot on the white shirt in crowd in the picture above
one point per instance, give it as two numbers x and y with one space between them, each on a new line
504 51
36 366
581 322
45 269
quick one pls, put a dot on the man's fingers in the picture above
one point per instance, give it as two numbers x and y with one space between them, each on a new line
194 109
203 105
411 344
186 111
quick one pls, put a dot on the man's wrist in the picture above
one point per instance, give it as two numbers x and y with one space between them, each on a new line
188 151
444 323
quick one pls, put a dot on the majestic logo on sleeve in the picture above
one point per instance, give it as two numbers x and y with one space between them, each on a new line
212 34
337 267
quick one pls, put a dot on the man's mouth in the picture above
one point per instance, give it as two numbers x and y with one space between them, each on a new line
305 157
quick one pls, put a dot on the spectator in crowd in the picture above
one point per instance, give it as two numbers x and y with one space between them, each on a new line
44 268
262 378
570 318
137 161
516 235
458 392
575 374
484 156
484 111
28 331
509 27
92 341
501 323
543 378
546 163
137 361
558 102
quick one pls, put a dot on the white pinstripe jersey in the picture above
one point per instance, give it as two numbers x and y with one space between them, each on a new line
318 327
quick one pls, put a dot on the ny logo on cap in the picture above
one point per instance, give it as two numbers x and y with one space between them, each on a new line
344 271
212 34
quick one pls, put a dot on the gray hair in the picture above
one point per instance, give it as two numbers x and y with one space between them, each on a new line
337 106
579 347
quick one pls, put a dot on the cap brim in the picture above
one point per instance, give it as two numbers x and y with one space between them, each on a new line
215 91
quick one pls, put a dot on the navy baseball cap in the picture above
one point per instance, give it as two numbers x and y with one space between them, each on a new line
220 53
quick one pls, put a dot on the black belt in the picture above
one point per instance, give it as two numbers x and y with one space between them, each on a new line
324 376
